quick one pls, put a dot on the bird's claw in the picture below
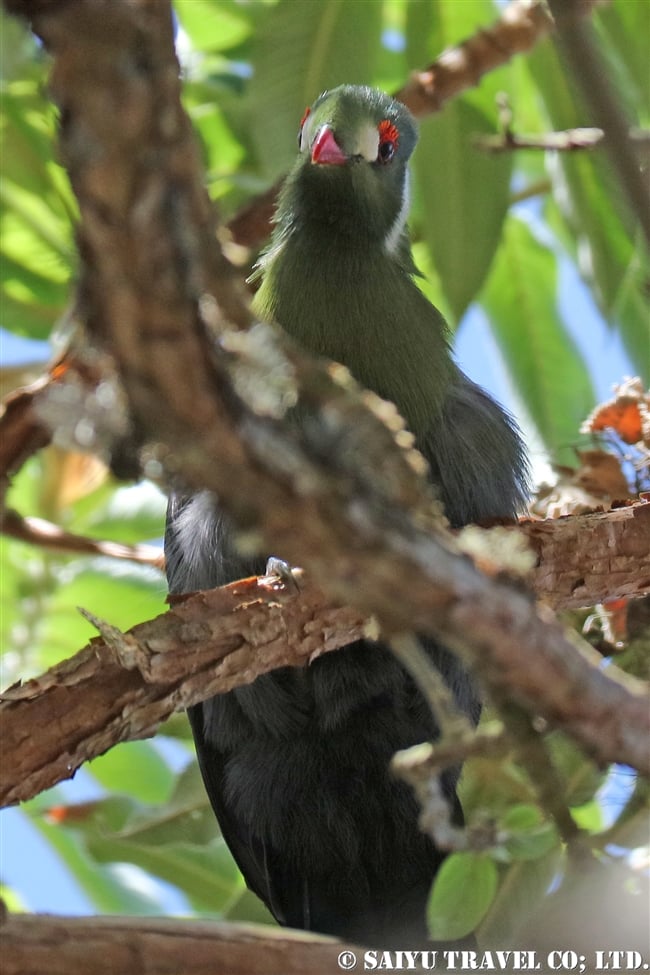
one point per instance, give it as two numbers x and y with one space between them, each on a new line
279 570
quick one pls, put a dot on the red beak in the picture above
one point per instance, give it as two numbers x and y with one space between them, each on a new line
325 149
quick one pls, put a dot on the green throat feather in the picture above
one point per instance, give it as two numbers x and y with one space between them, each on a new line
338 276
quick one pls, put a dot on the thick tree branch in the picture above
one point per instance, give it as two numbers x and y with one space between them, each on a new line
123 686
586 559
159 946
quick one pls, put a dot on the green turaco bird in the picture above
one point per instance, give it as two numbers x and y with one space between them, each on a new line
296 765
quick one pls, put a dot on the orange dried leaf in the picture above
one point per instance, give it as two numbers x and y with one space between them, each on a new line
627 414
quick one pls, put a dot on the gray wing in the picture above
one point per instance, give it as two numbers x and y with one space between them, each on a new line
477 457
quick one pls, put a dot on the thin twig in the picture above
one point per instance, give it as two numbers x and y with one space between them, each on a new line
566 141
45 534
453 724
533 754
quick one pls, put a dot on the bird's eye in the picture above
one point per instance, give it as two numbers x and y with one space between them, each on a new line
304 118
388 141
386 151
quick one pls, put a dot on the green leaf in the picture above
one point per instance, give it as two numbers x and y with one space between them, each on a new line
493 785
213 26
31 301
107 891
521 817
581 777
207 874
550 375
463 192
135 766
624 28
17 47
521 892
599 227
528 836
301 49
250 909
177 841
123 514
464 195
589 816
462 892
118 592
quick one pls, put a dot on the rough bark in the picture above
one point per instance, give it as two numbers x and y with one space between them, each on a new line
123 686
152 946
586 559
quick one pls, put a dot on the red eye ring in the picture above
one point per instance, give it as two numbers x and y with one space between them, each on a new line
388 141
305 116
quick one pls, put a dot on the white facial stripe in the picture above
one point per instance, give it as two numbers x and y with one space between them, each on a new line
306 135
395 232
367 143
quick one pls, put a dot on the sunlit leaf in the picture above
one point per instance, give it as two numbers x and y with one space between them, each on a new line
625 29
600 228
136 766
464 193
528 836
462 893
465 196
301 49
213 26
101 885
520 300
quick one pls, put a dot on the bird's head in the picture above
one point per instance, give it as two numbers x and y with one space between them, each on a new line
351 174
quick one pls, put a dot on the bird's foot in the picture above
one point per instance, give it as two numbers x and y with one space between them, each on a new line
277 570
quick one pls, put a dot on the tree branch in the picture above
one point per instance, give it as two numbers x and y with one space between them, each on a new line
158 946
568 140
124 686
45 534
586 559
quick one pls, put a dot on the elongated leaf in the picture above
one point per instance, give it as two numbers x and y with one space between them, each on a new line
581 777
134 766
465 196
301 49
464 193
624 28
600 229
101 885
177 842
519 897
206 874
121 593
462 892
551 377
